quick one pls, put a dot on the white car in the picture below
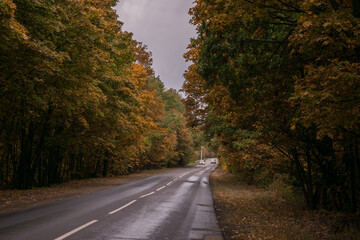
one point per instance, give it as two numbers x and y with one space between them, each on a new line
201 162
213 161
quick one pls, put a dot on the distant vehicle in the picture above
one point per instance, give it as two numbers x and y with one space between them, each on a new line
201 162
213 161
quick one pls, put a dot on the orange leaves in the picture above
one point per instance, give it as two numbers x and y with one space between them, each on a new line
326 34
325 96
192 54
150 107
143 57
259 33
290 70
307 24
194 87
10 27
158 118
330 91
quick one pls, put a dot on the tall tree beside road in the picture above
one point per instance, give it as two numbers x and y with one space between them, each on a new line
77 98
282 77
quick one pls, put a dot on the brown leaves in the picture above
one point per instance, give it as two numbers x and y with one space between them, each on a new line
74 82
327 97
248 212
290 70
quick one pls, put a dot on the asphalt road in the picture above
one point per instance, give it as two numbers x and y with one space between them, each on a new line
172 205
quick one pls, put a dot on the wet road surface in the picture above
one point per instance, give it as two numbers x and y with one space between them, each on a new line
173 205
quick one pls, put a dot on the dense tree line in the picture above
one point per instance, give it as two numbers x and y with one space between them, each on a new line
78 97
276 85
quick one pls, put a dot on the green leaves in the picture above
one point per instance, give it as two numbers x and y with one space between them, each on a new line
79 97
288 73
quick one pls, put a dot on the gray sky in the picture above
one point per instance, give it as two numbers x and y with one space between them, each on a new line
163 25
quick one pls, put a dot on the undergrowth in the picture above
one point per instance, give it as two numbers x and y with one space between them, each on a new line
274 211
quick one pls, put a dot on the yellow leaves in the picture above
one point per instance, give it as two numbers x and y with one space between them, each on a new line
11 28
192 54
326 96
259 33
309 5
327 23
139 75
307 24
7 9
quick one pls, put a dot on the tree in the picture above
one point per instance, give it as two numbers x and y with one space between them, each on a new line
281 74
78 96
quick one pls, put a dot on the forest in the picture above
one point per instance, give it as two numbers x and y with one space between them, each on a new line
275 85
79 98
273 88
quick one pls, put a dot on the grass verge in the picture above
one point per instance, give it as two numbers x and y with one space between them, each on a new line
249 212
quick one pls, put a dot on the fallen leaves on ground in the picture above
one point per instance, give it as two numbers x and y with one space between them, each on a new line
250 212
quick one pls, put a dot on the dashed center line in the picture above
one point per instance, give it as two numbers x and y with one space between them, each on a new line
126 205
147 194
76 230
116 210
160 188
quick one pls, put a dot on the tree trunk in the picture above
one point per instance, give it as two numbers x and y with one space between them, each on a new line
334 4
356 8
352 168
105 164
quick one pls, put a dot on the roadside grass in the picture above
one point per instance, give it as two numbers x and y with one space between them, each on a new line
249 212
192 163
11 200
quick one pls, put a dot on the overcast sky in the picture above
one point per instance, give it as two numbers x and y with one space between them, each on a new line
163 25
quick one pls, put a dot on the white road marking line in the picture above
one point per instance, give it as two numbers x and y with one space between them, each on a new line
176 178
169 183
147 195
160 188
76 230
126 205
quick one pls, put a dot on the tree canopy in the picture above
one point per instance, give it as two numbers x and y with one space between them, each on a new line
275 84
79 97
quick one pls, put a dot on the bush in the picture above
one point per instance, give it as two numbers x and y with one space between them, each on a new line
282 186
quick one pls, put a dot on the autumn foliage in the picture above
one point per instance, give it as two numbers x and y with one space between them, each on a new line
78 97
277 83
